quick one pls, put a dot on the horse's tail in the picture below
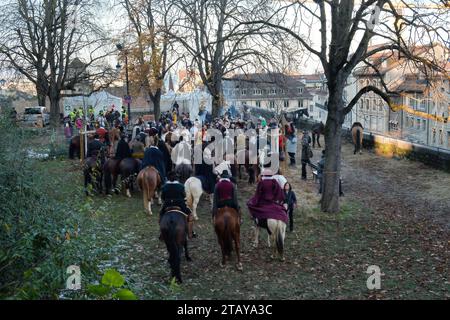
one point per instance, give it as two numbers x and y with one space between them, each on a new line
227 238
107 177
279 230
172 247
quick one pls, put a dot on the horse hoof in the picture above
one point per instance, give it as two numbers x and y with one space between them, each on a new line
222 265
282 259
128 194
239 267
196 218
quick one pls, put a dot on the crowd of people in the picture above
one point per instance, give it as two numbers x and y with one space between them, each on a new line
154 143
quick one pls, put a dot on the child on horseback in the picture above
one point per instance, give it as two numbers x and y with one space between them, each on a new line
173 196
225 194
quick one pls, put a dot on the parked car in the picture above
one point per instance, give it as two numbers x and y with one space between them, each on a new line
37 116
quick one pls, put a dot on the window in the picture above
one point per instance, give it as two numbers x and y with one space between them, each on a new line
441 137
273 91
434 135
258 104
311 108
300 103
424 124
367 104
244 92
271 104
286 104
300 90
257 92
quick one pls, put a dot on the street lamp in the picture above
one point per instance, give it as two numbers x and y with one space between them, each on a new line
121 48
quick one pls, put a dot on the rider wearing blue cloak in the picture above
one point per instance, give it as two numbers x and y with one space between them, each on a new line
154 157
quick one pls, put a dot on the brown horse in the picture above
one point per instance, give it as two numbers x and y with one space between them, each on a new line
129 169
173 226
317 130
149 181
357 135
111 172
114 137
227 227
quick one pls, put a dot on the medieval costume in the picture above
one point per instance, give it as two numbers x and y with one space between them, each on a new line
154 157
267 203
225 194
123 150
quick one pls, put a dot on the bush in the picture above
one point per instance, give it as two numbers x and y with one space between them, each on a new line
39 230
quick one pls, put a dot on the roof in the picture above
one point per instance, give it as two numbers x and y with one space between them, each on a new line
286 86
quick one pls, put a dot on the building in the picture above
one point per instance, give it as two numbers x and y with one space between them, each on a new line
423 102
272 91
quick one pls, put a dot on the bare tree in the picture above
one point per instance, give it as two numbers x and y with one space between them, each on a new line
151 53
219 41
345 29
42 40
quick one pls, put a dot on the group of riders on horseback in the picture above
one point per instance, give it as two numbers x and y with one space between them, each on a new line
145 156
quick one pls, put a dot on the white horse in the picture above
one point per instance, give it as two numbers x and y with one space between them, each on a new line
278 232
194 189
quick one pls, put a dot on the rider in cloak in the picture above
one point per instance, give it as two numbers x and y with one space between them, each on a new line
173 195
123 149
267 203
94 147
204 172
225 195
154 157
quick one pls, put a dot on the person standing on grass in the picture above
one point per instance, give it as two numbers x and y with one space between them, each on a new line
290 201
306 152
291 147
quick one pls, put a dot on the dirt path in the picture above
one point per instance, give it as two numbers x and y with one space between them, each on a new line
397 186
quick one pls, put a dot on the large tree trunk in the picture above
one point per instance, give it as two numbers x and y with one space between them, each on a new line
217 99
333 141
54 109
156 100
41 99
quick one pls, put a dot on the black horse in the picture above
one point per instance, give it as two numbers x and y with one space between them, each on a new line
317 130
174 229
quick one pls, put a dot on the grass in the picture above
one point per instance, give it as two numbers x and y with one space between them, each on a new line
326 256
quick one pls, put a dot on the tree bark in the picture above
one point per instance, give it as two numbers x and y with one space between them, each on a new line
333 141
54 109
156 100
217 101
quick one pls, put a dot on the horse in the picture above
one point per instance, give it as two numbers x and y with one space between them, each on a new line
357 135
129 169
227 227
149 181
184 170
317 130
276 230
74 147
194 191
111 172
173 227
93 169
114 136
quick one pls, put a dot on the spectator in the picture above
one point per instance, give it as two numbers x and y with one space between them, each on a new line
306 152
